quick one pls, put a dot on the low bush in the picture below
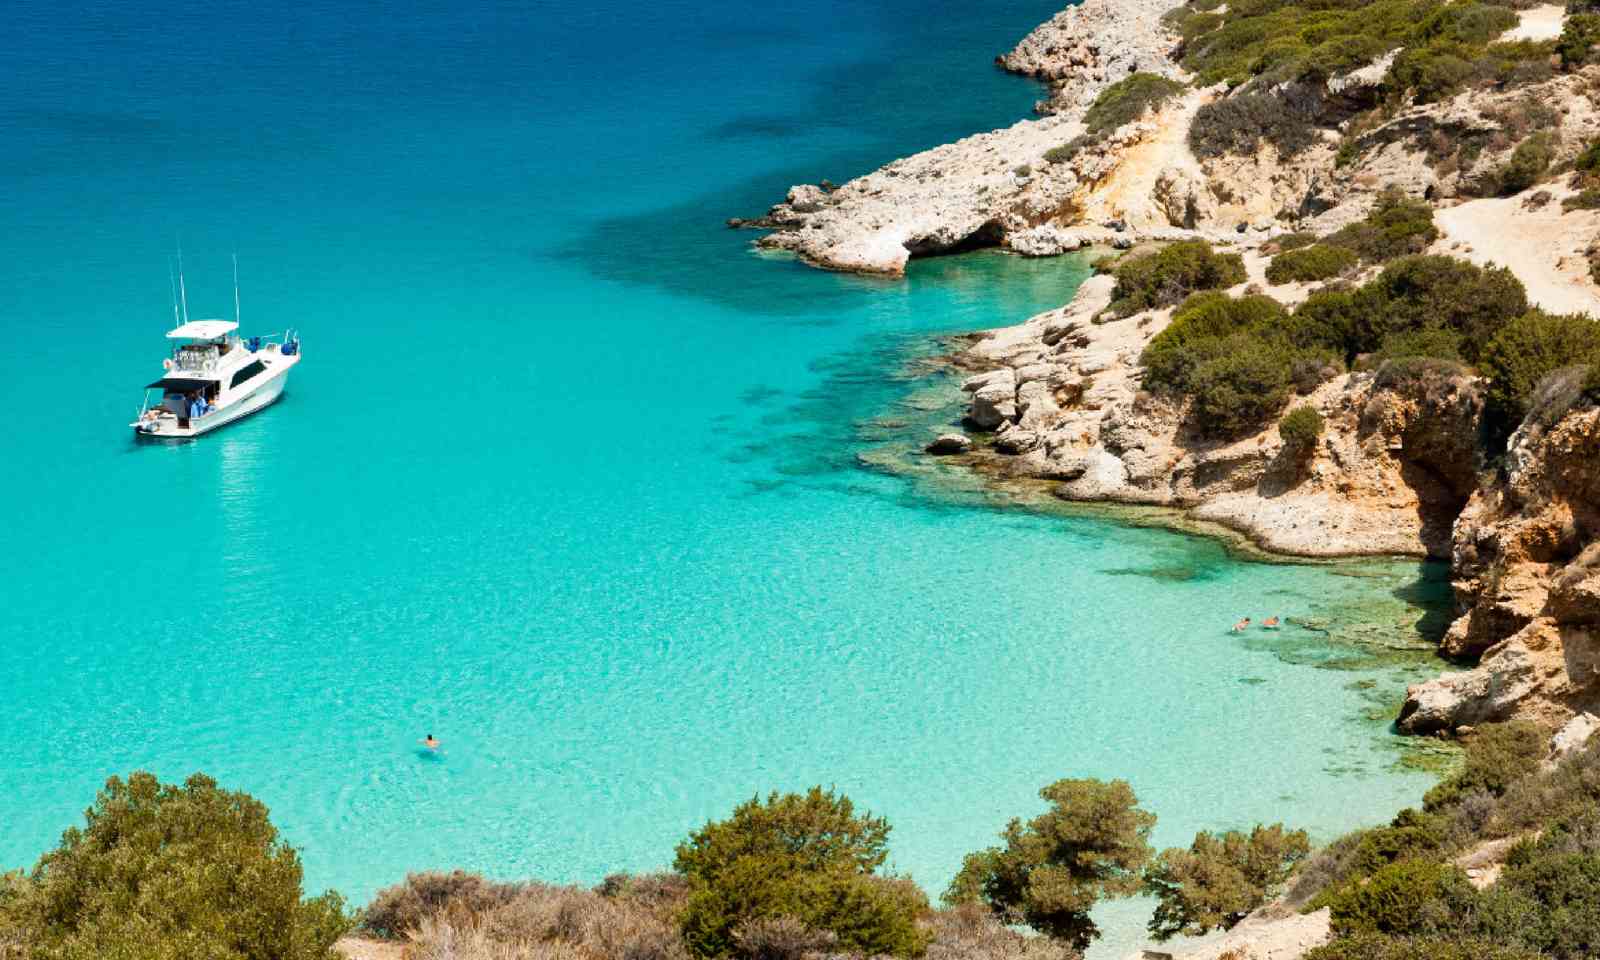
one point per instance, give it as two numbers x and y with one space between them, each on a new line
1433 343
538 921
1167 276
162 870
970 932
1580 36
399 910
1068 150
1321 261
1127 100
1406 898
1218 880
1526 351
1373 946
1300 430
1249 382
1527 164
1240 123
1293 241
806 856
1436 292
1193 337
1585 199
1397 226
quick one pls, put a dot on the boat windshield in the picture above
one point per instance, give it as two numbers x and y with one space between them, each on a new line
196 357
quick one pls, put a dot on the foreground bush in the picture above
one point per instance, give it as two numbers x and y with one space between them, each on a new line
1167 276
1317 262
1052 870
399 910
166 871
1217 881
1241 123
806 856
534 921
1498 755
1439 293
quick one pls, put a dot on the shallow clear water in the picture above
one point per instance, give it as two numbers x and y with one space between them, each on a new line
569 477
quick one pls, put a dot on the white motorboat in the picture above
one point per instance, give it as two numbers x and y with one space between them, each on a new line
214 376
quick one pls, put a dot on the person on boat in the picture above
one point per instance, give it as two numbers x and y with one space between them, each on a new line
1271 623
1242 625
429 742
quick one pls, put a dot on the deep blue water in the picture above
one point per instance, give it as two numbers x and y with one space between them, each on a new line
568 476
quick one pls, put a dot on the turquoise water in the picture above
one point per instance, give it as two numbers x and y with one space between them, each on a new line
569 476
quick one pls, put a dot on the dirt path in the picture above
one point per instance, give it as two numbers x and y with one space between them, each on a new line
1543 247
1538 23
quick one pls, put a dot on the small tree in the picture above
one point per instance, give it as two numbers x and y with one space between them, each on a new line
164 871
807 856
1219 880
1090 844
1300 430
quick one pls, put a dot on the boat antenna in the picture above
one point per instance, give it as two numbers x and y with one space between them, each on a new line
236 289
183 292
173 283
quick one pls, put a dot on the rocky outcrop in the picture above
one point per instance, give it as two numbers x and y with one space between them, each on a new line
1091 45
1396 464
1526 572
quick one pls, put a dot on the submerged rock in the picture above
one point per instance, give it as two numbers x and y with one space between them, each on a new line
949 443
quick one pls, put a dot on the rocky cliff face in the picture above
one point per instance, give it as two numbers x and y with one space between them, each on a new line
1526 567
1396 464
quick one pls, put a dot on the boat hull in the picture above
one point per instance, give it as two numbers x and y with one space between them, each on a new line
261 396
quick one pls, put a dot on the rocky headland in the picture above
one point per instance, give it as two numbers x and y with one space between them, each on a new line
1403 465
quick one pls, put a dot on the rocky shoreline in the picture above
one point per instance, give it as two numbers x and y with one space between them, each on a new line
1400 470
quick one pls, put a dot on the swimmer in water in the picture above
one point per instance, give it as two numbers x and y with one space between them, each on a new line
1271 623
1241 625
429 742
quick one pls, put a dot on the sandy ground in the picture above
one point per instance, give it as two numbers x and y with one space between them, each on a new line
1129 192
1539 23
357 948
1543 247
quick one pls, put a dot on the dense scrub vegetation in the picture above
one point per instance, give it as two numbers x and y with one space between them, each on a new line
165 871
1165 277
1397 226
1439 47
1239 360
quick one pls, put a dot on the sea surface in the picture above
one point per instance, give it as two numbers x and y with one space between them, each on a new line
569 476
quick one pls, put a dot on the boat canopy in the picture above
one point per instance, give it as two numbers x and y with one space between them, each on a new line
202 330
180 384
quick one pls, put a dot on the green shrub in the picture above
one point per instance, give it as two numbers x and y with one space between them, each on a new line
1068 150
1579 37
171 871
1586 199
1238 125
1331 320
807 856
1397 226
1300 430
1090 844
1197 327
1319 262
1217 881
1372 946
1422 292
1409 897
1410 835
1554 906
1165 277
1249 382
1127 100
1293 241
1498 754
1433 343
1407 372
1529 349
1527 164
